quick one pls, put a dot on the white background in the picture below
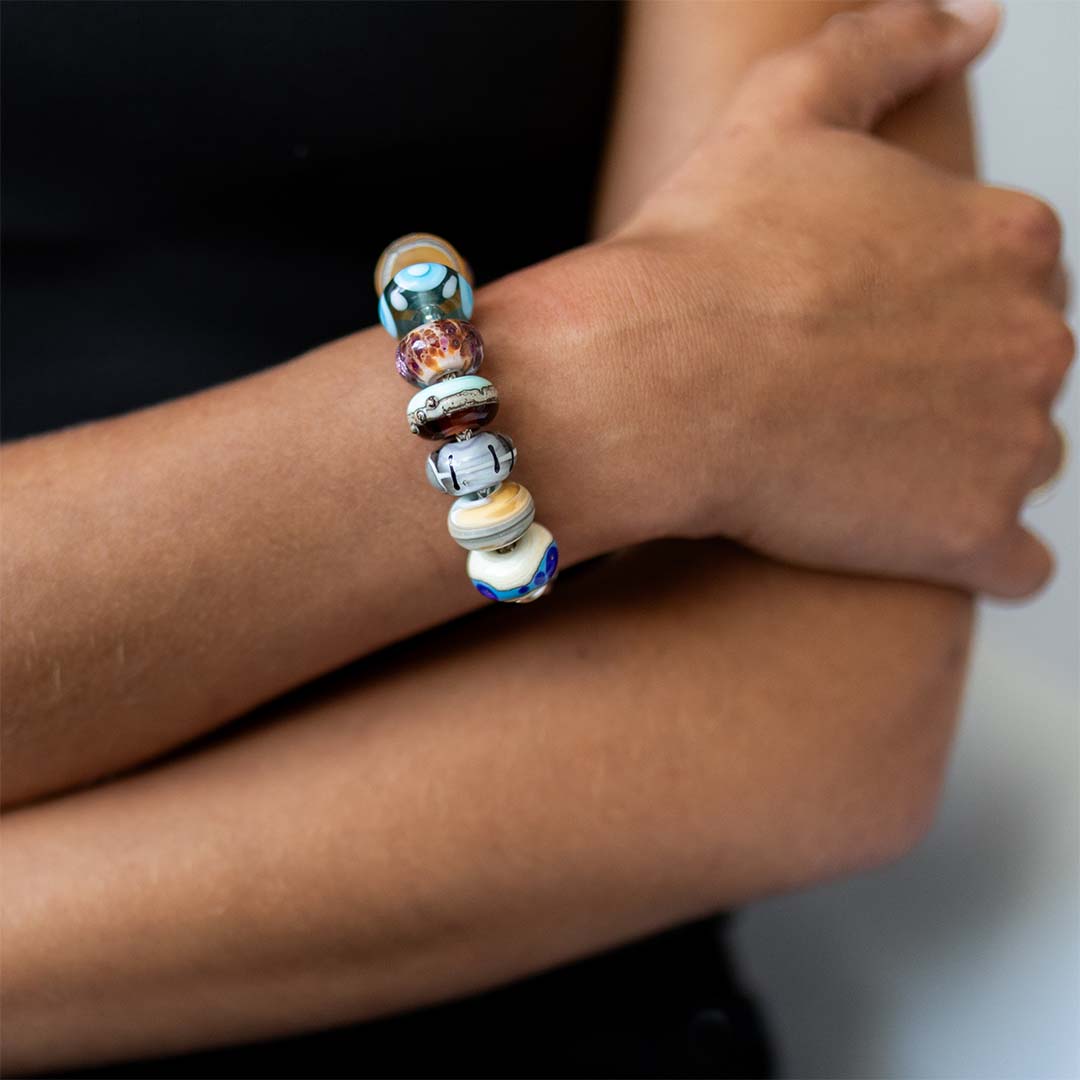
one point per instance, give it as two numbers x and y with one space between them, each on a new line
963 961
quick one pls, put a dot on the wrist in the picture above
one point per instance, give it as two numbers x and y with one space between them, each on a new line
652 379
549 332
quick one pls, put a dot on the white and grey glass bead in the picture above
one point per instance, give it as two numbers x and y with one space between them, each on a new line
480 462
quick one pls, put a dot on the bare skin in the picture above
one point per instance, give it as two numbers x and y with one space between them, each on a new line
405 838
769 804
148 561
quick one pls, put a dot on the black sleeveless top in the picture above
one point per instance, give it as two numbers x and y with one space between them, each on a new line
194 191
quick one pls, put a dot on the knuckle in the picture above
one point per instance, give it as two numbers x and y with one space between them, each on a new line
923 21
917 24
1033 437
1053 453
774 86
971 536
798 73
1034 578
1044 571
764 71
1048 350
962 540
1034 227
1060 346
848 30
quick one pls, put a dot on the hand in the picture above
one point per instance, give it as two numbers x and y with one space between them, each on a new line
857 353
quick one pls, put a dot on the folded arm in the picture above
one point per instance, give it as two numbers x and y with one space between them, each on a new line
683 728
701 374
171 569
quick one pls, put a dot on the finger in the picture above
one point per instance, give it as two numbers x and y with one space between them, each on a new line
1048 466
1020 567
1059 288
862 64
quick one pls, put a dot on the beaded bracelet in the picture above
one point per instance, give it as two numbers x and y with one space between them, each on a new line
425 301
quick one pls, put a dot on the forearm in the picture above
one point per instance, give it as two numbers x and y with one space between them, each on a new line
485 808
171 569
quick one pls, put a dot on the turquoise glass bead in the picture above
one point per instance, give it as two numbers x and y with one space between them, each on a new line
423 293
452 407
417 248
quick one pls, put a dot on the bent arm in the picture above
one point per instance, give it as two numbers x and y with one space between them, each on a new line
496 801
685 728
171 569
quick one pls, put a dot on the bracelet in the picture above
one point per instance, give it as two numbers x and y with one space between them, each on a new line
425 302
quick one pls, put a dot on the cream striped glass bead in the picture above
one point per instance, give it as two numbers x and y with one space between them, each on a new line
490 520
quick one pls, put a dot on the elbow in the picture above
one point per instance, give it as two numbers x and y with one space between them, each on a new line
866 827
896 827
881 791
901 788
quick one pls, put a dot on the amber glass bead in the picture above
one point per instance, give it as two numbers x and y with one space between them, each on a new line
417 248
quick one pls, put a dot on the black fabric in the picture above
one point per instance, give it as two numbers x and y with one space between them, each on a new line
194 191
665 1007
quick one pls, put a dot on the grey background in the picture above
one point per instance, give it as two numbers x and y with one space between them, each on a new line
963 961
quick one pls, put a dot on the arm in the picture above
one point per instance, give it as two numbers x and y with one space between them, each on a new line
494 802
148 561
171 569
682 60
750 728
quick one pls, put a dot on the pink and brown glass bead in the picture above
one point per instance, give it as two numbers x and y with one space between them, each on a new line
439 350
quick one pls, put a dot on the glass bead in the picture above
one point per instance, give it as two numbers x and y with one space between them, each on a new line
421 293
492 519
438 350
417 248
452 407
474 464
520 573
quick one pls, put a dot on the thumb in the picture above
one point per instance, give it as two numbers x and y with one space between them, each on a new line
862 64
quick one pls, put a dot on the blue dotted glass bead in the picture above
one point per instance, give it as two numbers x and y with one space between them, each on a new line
421 293
478 463
417 248
452 407
519 574
491 519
